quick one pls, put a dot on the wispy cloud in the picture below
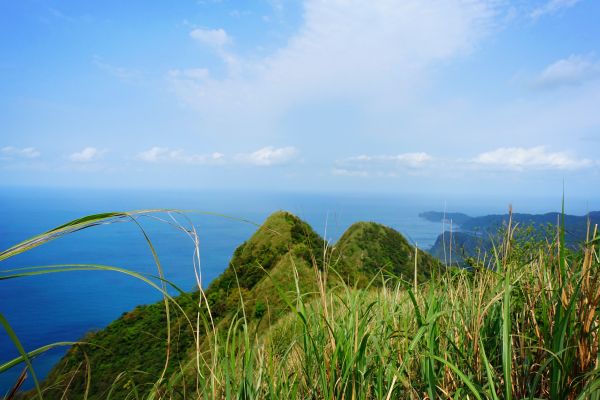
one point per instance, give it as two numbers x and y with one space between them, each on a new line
10 152
382 165
164 154
515 159
520 158
409 160
269 156
196 74
53 13
572 70
87 155
265 157
318 61
122 73
552 7
347 172
216 38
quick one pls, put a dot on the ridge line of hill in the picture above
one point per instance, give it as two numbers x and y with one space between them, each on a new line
284 255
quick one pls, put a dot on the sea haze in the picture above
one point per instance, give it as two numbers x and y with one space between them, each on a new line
63 307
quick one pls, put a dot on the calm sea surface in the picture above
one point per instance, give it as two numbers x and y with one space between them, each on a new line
63 307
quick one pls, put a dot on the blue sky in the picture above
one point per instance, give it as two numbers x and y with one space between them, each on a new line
440 96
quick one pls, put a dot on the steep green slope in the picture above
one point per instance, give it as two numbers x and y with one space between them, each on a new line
455 247
135 345
130 350
281 258
281 235
367 248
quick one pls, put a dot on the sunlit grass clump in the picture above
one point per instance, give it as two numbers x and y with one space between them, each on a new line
523 324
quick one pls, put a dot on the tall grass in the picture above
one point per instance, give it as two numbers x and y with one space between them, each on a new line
524 324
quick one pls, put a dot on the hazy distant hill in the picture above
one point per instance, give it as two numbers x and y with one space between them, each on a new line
438 216
474 235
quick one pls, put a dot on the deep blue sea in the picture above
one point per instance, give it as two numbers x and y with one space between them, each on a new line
63 307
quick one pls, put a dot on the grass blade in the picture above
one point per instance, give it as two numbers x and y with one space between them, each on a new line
19 346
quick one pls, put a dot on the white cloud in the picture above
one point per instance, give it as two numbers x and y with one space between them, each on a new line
122 73
519 158
269 156
552 7
375 53
154 154
410 160
422 164
164 154
10 152
88 154
347 172
218 40
383 165
215 38
572 70
266 156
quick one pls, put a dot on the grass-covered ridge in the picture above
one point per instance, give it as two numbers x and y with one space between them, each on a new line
315 320
366 247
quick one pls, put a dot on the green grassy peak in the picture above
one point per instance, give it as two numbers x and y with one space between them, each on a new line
369 247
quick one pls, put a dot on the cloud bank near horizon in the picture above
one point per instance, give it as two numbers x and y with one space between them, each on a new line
313 93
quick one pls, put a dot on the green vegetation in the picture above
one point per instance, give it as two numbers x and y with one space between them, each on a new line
366 248
471 237
294 317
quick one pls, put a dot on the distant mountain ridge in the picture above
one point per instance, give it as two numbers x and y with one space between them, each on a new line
438 216
473 235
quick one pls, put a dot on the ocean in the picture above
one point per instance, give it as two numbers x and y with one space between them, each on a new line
63 307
